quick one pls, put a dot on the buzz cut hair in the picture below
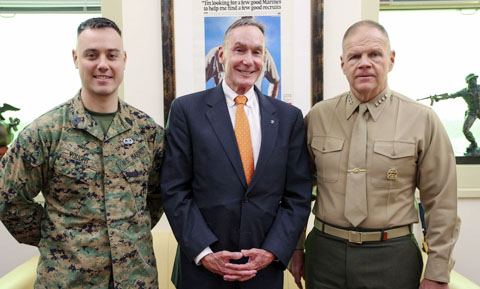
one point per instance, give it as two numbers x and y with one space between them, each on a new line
370 23
97 23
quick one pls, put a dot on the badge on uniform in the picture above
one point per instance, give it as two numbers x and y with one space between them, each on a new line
127 141
392 174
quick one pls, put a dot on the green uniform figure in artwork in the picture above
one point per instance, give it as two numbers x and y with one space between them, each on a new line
7 128
6 134
6 131
471 95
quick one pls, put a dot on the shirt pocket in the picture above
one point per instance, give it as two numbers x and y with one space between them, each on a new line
73 179
135 171
394 164
327 151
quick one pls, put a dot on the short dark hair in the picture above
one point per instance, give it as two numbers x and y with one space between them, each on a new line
97 22
370 23
244 21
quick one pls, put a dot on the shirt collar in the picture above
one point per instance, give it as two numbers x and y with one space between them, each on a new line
80 119
230 95
375 105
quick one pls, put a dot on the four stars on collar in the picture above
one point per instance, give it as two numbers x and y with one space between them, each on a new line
377 103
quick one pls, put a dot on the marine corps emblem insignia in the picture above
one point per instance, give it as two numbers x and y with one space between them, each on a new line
392 174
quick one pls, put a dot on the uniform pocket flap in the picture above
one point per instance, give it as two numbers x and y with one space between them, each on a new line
75 166
135 165
394 149
326 144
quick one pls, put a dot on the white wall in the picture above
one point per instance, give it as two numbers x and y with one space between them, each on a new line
467 249
143 85
302 44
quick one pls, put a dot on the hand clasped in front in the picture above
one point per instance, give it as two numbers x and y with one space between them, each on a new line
219 263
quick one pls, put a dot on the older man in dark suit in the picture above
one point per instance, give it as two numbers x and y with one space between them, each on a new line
236 183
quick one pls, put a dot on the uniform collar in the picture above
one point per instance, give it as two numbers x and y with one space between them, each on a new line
80 119
375 105
122 121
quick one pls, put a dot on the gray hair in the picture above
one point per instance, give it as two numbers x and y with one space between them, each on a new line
244 21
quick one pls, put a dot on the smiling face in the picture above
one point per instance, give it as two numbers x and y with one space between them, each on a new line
366 61
100 60
243 55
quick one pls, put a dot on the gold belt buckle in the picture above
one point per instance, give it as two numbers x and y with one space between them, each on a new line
355 237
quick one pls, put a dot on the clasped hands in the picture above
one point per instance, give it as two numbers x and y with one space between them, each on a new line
219 263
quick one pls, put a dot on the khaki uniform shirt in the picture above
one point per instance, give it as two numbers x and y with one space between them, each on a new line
102 197
407 148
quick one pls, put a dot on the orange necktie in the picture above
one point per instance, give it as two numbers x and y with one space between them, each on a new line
244 140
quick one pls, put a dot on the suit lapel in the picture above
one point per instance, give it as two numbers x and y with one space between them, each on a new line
221 123
269 126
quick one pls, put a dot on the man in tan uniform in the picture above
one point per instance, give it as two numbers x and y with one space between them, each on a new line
371 148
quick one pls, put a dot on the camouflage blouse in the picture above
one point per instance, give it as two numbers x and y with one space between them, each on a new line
102 197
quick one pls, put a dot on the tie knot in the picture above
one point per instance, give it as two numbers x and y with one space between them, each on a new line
362 108
241 99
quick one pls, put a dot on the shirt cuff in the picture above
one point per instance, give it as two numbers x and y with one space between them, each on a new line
438 271
202 254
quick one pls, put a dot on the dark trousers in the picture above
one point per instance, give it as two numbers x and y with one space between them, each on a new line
334 263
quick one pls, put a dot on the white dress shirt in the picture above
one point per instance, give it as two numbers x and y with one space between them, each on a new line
252 110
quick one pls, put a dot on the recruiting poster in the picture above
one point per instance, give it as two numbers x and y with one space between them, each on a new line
210 20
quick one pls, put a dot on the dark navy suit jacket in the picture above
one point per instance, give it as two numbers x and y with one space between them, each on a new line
206 197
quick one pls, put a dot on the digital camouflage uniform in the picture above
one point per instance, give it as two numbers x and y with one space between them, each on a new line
102 197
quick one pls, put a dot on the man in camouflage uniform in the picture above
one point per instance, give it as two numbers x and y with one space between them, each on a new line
96 160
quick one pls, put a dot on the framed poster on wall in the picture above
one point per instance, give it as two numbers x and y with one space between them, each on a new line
191 35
